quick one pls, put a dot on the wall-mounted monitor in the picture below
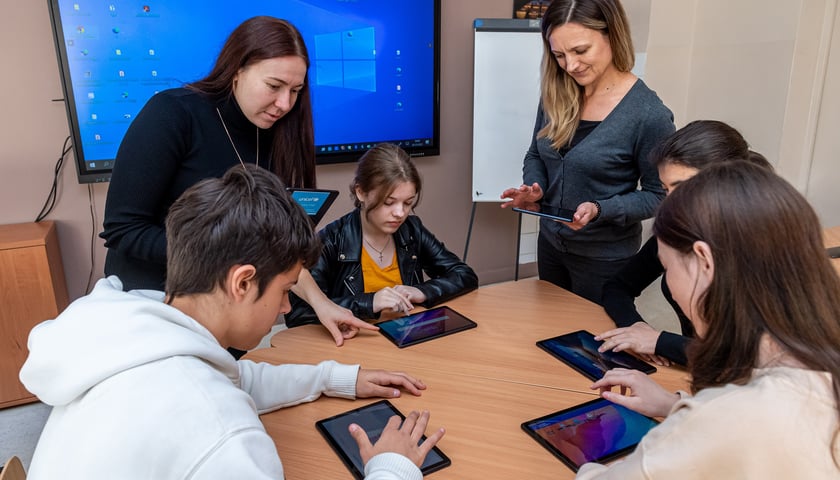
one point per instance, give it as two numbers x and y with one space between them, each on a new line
374 74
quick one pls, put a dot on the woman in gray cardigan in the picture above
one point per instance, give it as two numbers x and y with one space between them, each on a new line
595 126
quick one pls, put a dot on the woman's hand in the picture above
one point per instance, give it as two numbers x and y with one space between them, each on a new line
389 298
585 213
399 439
339 321
380 383
638 392
525 197
639 338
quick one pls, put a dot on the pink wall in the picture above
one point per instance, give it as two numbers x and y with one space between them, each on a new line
33 128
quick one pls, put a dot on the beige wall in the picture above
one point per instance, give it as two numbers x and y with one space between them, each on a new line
765 66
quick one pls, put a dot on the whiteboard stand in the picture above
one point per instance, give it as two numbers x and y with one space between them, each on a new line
469 233
506 91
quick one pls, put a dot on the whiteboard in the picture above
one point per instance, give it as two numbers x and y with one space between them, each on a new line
506 84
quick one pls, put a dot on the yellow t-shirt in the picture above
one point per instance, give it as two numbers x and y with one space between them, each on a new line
377 278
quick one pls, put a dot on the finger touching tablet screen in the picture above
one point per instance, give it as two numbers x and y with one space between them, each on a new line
372 418
595 431
424 326
579 350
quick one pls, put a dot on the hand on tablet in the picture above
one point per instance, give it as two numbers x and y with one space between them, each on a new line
399 439
380 383
639 338
413 294
638 392
390 299
584 214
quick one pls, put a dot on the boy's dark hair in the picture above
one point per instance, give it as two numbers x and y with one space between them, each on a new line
244 218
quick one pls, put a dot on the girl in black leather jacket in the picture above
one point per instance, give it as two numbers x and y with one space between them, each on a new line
379 257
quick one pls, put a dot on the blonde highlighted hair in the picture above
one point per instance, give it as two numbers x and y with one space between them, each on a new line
562 97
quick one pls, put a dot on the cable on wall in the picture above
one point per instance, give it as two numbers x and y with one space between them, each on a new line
49 204
92 204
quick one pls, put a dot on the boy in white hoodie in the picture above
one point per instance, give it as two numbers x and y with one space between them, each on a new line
141 383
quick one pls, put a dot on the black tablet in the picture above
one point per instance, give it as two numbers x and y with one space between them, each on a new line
315 202
372 418
563 214
580 351
595 431
423 326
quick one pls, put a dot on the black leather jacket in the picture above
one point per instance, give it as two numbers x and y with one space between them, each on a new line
339 270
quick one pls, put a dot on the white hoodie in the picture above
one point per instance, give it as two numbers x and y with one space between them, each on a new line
142 391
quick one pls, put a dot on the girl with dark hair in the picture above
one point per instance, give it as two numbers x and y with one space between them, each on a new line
698 145
253 107
596 124
376 257
745 260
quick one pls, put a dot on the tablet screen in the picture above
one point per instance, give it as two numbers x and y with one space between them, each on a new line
595 431
314 202
372 418
423 326
580 351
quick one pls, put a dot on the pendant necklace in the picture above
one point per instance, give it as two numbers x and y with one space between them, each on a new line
257 163
380 252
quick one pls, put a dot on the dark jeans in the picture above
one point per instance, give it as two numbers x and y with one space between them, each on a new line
581 275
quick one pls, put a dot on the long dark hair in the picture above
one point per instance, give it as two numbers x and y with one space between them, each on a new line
262 38
702 143
772 275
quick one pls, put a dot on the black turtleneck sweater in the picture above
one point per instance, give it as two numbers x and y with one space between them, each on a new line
175 141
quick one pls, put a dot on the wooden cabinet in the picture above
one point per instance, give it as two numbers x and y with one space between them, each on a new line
32 289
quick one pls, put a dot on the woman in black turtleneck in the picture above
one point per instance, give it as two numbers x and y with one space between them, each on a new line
253 107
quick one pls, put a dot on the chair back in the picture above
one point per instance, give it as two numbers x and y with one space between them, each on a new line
13 470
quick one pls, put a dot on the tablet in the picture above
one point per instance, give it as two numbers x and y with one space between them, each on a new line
563 214
424 326
372 418
580 351
595 431
315 202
